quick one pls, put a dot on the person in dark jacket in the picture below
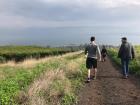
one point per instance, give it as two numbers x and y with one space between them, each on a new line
103 53
92 51
126 53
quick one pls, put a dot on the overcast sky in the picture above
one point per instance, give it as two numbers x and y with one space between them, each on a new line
24 20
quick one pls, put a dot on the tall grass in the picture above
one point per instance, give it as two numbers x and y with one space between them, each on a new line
51 82
59 86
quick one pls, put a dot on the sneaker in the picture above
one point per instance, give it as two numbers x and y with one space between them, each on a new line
88 80
125 77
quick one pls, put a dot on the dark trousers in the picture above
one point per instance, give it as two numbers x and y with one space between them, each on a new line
125 66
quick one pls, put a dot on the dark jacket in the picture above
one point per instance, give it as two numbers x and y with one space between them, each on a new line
126 51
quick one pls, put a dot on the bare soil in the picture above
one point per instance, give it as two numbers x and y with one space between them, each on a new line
110 88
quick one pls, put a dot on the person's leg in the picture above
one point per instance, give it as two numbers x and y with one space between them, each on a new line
88 65
127 67
89 74
95 73
95 68
104 58
92 73
123 67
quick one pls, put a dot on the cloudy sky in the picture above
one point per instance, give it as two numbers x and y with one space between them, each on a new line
61 22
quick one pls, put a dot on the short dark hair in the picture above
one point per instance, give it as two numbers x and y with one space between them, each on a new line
92 38
124 38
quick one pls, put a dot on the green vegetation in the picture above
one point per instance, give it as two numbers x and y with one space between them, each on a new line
19 53
56 81
134 64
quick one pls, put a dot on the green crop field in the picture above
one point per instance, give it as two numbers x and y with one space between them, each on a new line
19 53
134 64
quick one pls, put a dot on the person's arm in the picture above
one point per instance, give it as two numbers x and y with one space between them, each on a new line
99 52
119 53
133 52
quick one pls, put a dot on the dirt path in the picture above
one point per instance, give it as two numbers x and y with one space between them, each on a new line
110 88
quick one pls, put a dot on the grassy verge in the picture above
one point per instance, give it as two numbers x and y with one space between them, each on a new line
62 85
134 64
56 81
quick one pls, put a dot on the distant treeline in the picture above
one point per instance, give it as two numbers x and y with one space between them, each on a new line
19 53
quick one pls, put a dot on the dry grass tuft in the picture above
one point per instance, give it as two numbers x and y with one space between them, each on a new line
73 66
42 83
21 97
53 84
9 63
